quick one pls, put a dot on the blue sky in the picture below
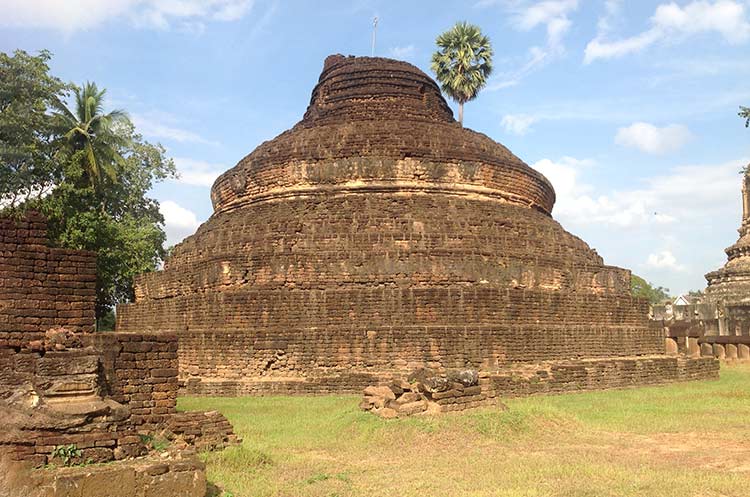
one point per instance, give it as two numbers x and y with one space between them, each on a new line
630 108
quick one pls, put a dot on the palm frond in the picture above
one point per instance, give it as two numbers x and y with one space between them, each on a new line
463 62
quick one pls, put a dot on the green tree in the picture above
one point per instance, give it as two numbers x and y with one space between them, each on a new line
88 172
119 222
645 290
90 136
745 114
462 63
27 92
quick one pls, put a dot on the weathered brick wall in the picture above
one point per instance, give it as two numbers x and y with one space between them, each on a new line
143 477
387 241
598 374
374 308
68 388
42 287
76 386
140 371
277 355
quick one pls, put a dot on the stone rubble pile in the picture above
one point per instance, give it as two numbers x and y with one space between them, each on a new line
426 392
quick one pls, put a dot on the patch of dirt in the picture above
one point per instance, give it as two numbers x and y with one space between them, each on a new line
707 451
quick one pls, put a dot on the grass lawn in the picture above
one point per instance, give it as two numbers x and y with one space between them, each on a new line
683 440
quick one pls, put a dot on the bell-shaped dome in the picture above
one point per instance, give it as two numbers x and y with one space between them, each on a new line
380 125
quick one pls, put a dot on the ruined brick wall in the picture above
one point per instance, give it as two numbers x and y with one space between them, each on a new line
54 398
285 310
100 398
42 287
154 476
140 371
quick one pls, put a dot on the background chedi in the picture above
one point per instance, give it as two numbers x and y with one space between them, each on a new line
375 236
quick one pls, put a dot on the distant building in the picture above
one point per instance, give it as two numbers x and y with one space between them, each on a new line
687 300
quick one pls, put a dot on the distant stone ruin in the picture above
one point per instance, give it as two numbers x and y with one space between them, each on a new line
378 236
719 326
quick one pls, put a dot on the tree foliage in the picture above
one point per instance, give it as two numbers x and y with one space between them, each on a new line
462 63
89 130
97 172
745 114
643 289
27 91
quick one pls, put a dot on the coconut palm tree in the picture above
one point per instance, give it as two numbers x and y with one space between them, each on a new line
462 63
92 133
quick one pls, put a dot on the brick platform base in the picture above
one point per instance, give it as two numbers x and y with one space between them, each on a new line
519 380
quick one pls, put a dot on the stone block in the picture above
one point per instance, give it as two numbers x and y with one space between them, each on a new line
411 408
670 346
380 391
719 351
408 397
164 373
730 351
693 349
67 364
118 481
387 413
743 351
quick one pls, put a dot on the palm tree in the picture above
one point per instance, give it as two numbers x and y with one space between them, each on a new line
93 133
462 63
745 114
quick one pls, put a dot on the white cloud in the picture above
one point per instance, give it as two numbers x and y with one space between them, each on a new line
685 194
611 16
179 222
671 21
232 10
723 16
693 206
664 260
546 12
651 139
553 16
197 173
403 52
73 15
160 125
598 49
518 124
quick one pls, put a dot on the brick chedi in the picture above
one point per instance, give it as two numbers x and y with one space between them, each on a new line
727 296
375 236
730 285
